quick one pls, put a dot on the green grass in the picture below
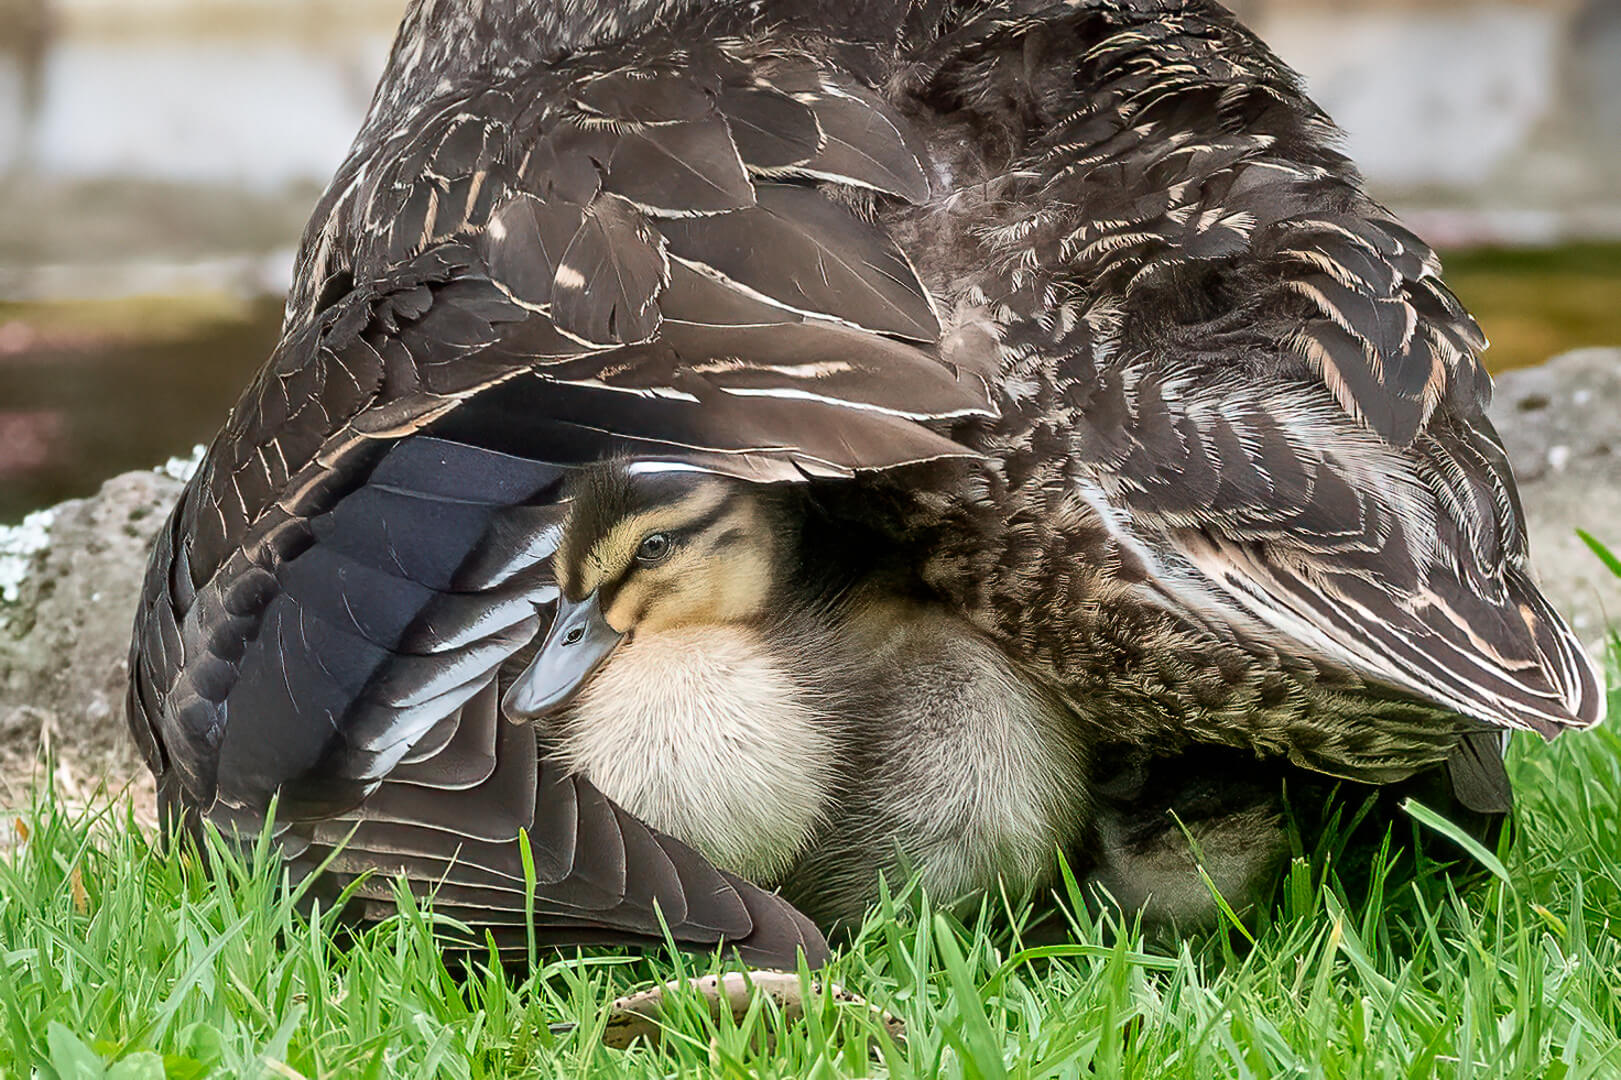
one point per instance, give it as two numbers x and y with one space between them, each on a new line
119 960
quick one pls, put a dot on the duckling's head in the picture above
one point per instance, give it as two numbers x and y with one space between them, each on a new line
648 548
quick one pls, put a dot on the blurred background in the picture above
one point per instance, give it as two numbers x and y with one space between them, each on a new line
158 158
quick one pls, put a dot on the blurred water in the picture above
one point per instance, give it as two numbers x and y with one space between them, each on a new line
174 147
80 405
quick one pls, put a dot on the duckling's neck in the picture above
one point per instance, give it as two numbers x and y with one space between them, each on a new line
721 735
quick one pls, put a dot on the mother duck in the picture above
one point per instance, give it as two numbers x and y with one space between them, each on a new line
1073 304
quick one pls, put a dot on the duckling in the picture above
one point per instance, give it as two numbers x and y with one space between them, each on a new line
684 673
752 678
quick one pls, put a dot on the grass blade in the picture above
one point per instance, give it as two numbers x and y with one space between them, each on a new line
1432 820
1605 555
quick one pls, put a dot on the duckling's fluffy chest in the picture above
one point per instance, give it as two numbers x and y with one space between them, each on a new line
712 737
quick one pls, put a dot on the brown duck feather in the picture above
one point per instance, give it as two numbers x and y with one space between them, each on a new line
1244 402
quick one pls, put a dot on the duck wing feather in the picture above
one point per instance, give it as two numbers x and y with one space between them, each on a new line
515 281
1236 391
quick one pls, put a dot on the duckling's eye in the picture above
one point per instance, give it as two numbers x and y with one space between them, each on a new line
655 549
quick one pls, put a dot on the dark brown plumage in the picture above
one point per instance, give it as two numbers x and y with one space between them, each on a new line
1074 302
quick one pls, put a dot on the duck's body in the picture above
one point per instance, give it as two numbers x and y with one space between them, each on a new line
1072 306
958 770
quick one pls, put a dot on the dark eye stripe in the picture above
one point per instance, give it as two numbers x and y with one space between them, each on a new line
704 523
736 536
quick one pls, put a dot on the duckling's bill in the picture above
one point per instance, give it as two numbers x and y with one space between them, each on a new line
579 641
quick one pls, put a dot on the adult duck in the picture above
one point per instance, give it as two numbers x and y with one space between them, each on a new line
1072 304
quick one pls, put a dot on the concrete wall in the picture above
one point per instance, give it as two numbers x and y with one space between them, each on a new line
1487 121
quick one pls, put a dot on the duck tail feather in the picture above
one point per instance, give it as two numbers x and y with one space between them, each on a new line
1477 773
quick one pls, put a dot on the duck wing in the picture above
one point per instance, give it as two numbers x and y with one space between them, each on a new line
505 283
1235 391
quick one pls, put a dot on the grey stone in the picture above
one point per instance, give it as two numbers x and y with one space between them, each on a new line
1561 424
64 638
